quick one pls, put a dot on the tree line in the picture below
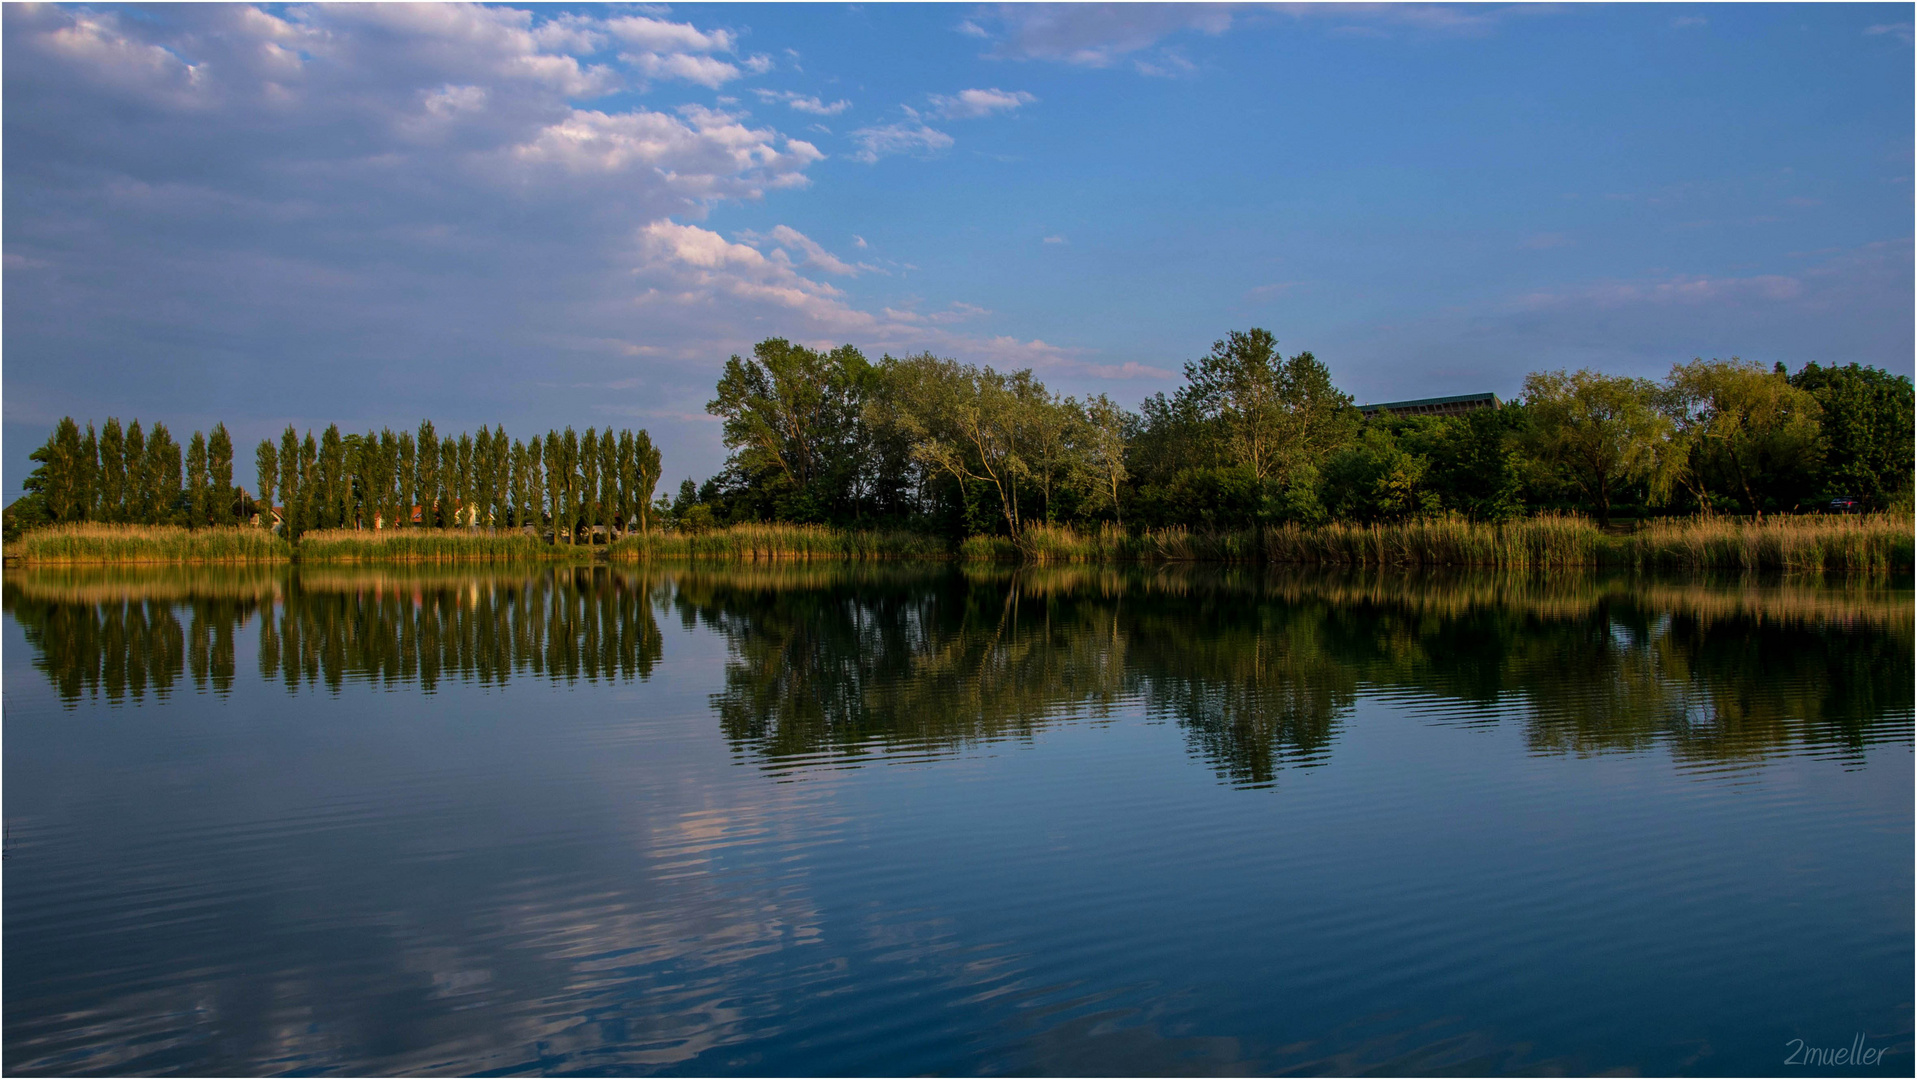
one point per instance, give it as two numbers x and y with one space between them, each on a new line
564 482
1256 438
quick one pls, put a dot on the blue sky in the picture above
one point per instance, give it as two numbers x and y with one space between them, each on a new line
574 214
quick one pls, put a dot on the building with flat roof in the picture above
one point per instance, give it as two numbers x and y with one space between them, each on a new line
1455 405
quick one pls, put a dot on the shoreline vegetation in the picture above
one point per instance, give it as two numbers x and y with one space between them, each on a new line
1258 459
1867 543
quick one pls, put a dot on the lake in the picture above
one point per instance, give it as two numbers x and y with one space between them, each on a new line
901 819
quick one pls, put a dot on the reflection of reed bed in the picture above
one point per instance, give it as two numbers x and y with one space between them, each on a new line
1563 595
430 546
1578 597
402 578
797 577
778 543
78 583
139 544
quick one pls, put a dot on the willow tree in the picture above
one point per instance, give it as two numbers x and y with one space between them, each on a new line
1746 428
1101 463
1602 433
963 422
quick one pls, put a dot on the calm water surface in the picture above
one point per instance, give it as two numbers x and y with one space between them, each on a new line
895 820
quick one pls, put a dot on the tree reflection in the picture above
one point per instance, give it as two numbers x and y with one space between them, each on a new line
1260 669
121 640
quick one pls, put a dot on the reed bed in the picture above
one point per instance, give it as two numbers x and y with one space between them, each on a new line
774 543
1865 543
89 542
430 546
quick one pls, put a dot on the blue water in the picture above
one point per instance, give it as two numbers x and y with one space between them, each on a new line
849 822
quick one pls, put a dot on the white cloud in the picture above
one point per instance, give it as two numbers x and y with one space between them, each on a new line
798 102
810 251
703 70
1683 21
971 104
1899 30
1093 35
659 36
910 137
1056 240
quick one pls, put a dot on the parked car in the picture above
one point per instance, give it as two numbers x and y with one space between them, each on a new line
1844 504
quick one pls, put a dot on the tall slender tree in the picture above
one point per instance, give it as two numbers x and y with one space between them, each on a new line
449 505
290 482
112 488
163 474
312 483
332 479
138 499
426 477
408 482
198 510
502 474
219 466
90 469
266 466
556 486
535 482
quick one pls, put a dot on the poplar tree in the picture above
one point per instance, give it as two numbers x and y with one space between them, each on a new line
646 469
290 482
112 487
535 482
589 478
196 481
266 464
90 469
332 478
426 476
387 479
569 465
312 483
137 496
408 482
608 480
555 484
502 473
219 462
163 474
520 495
448 482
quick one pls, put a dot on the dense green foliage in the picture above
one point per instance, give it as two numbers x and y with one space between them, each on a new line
1256 440
1253 441
565 486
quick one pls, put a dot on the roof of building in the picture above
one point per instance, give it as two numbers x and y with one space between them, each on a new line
1395 406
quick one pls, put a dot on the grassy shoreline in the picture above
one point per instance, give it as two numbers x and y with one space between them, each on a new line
430 546
775 542
1865 543
123 545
